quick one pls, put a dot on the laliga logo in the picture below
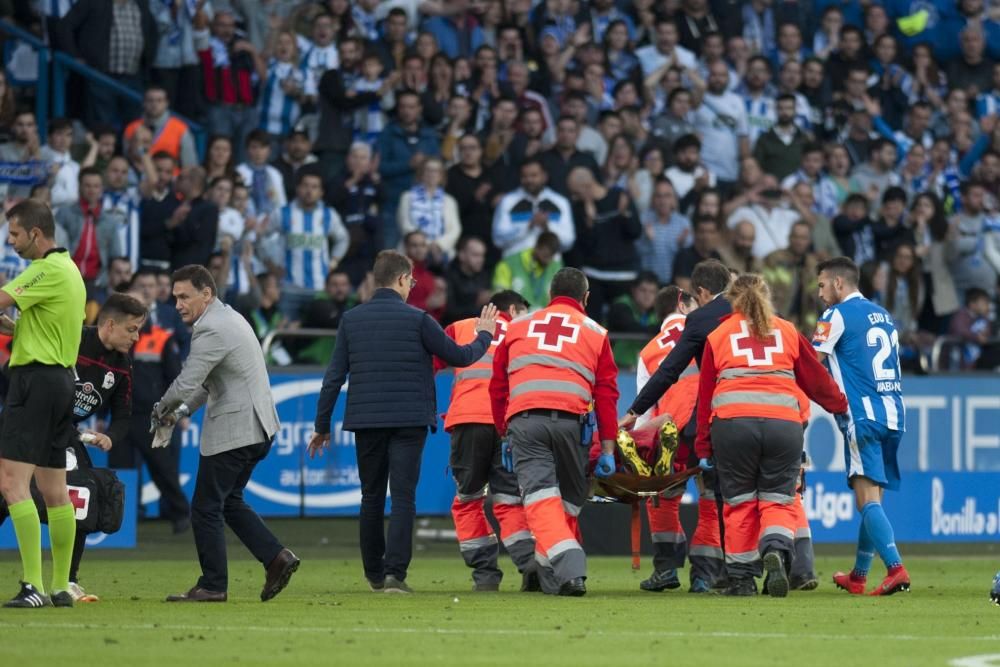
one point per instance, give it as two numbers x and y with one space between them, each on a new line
285 392
827 508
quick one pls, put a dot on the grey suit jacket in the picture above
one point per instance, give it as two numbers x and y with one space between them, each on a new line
225 369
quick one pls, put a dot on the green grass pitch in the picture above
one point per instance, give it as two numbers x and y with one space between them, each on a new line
327 616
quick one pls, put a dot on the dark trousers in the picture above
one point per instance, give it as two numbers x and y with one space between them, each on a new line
602 294
163 464
388 458
183 86
106 107
218 500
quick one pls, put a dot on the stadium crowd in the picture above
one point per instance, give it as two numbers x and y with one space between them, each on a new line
494 141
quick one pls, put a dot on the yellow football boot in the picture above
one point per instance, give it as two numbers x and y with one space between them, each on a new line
630 455
668 447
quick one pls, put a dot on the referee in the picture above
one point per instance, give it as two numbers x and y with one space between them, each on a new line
38 415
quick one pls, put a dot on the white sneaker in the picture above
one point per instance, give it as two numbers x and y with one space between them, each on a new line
80 595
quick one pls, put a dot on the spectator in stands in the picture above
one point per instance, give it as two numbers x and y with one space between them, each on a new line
933 234
665 51
688 174
429 291
229 65
757 94
564 156
792 276
427 207
102 145
175 67
738 253
357 198
801 198
156 214
665 232
673 124
286 87
324 312
853 229
969 264
771 218
319 54
878 174
891 229
707 239
122 200
633 312
972 71
267 187
24 147
721 119
530 271
170 134
337 107
219 158
90 233
470 186
262 310
63 169
900 290
779 150
653 166
530 210
8 106
972 325
117 38
468 280
837 183
195 223
297 153
458 34
403 147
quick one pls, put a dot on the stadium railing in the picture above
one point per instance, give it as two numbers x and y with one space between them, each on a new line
61 64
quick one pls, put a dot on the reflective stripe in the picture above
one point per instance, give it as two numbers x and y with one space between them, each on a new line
478 543
705 551
541 494
470 497
754 397
506 499
778 530
668 538
742 498
744 557
776 498
733 373
514 538
542 560
803 534
557 386
560 548
692 369
552 362
474 374
571 509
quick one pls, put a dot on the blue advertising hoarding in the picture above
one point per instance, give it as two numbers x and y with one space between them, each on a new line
951 448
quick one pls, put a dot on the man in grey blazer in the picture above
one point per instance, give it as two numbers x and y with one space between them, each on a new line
226 370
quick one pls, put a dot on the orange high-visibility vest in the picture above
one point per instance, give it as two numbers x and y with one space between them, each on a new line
553 357
680 399
470 393
168 140
151 344
757 378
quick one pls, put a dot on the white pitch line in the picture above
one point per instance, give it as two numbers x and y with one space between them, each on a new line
497 631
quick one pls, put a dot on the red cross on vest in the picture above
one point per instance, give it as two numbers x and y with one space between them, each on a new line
499 333
553 331
756 352
670 335
80 497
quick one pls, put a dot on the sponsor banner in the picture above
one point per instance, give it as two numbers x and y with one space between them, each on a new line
125 538
953 425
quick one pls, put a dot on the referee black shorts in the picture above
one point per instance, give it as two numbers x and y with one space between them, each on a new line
37 420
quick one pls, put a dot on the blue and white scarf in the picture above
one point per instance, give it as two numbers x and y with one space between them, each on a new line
368 121
427 211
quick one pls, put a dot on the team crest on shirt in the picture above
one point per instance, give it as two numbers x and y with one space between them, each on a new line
109 380
822 333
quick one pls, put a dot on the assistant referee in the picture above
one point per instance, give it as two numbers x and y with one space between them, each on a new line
37 420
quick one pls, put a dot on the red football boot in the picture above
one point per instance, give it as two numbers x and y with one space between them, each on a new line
897 580
847 582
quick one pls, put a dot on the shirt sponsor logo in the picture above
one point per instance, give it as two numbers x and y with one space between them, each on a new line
822 332
87 401
20 289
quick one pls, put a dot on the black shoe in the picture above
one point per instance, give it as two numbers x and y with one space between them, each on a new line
485 587
62 599
530 583
28 598
777 579
182 525
807 582
573 588
741 588
660 580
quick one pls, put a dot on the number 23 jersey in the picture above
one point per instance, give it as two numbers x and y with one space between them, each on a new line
862 348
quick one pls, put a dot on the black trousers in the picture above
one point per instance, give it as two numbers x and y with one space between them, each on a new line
388 458
218 501
163 464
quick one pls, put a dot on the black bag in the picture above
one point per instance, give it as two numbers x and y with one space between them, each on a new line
97 490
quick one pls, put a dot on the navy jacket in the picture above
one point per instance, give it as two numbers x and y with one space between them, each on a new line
387 349
698 325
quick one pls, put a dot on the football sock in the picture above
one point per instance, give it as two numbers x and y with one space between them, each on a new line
62 534
879 529
864 555
28 529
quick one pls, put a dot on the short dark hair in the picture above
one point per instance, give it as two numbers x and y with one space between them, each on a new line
686 141
812 147
712 275
389 266
197 275
679 90
119 307
30 214
974 294
398 11
163 155
894 193
843 267
646 277
504 299
669 299
548 240
90 171
571 283
60 124
785 97
259 136
533 160
308 171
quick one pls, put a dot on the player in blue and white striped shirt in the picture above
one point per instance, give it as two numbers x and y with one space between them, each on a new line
860 345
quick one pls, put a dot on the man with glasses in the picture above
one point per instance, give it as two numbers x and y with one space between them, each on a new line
387 348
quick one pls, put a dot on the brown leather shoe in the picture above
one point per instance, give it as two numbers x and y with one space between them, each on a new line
279 572
198 594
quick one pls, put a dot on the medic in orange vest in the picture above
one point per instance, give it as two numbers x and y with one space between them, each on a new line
477 466
756 374
549 368
677 404
170 134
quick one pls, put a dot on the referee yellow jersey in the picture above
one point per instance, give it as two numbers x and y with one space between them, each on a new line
51 297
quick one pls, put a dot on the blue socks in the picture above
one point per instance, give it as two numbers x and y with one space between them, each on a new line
865 554
876 524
